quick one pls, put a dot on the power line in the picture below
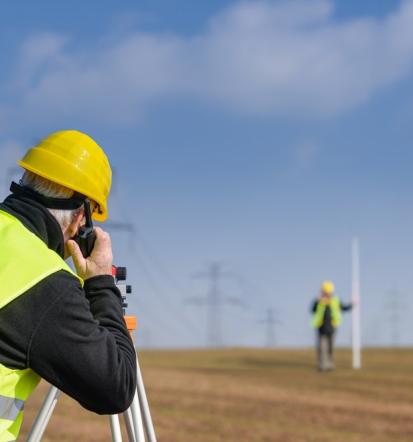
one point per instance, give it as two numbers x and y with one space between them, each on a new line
157 263
163 299
130 230
173 310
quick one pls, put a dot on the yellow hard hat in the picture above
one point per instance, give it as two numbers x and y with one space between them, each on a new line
72 159
327 287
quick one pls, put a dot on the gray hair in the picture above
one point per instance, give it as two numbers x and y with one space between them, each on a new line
48 188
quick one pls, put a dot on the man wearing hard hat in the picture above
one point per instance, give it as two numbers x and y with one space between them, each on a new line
64 327
326 319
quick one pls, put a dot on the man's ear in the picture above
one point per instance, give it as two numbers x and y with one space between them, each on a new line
75 224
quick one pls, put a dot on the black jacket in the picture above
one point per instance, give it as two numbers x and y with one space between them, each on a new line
74 338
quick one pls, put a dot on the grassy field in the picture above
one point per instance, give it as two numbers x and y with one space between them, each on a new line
259 395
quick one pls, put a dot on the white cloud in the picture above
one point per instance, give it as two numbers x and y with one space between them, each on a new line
258 57
295 60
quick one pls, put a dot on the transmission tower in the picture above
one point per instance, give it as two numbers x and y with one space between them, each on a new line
214 302
270 323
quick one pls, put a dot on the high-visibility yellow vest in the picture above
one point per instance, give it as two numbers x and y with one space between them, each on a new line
25 260
318 316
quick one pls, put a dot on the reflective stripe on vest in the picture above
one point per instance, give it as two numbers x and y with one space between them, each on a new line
10 407
318 317
25 260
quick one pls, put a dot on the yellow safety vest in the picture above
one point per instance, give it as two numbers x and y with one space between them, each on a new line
25 260
318 316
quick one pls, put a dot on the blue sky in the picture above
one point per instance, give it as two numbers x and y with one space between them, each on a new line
262 134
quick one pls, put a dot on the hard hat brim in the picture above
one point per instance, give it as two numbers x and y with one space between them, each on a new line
99 215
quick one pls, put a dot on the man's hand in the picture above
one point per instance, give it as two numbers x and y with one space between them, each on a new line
355 301
100 260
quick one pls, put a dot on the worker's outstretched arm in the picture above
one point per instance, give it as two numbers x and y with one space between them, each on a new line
314 306
346 307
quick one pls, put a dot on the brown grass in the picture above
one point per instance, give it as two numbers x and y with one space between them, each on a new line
259 395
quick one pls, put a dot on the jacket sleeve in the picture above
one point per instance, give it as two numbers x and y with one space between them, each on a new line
346 307
81 343
314 306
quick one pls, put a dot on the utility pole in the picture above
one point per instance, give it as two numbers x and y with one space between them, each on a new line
214 301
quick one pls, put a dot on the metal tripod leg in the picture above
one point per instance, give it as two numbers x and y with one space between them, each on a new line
127 415
115 428
137 418
42 419
144 406
139 414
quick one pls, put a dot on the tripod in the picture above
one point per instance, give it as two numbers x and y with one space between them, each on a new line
137 417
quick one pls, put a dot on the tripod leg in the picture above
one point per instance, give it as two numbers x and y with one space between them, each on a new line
143 401
115 428
127 415
42 419
137 419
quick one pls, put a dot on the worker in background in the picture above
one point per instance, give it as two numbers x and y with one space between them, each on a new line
65 327
326 319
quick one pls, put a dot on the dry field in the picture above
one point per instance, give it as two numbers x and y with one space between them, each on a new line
259 395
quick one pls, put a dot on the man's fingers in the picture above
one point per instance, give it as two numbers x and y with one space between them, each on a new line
100 260
78 259
102 235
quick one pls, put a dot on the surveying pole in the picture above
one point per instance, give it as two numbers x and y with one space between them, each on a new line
356 339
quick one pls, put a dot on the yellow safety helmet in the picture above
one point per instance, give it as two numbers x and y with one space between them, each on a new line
327 287
72 159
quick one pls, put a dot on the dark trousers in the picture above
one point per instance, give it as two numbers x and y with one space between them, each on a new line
325 349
